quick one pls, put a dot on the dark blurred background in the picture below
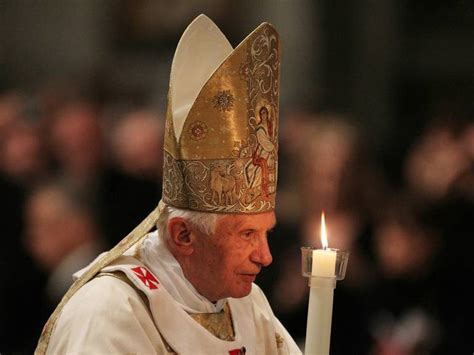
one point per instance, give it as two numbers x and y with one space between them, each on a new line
377 108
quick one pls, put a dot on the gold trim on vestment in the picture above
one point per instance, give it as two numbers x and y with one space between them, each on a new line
218 324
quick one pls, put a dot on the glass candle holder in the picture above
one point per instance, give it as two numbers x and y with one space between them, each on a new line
342 257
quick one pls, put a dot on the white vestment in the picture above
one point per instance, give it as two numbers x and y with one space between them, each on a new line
111 316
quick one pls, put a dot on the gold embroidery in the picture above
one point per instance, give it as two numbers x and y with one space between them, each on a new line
198 130
244 71
215 185
218 324
229 165
224 100
279 340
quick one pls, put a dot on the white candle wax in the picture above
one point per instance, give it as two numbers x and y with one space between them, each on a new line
318 330
324 263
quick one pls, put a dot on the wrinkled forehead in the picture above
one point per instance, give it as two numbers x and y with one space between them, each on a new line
257 221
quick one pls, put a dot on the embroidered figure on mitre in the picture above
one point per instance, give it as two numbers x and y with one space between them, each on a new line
262 171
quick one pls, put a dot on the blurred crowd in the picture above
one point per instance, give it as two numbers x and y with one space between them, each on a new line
76 176
406 290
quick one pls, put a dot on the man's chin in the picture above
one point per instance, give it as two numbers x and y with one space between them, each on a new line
243 291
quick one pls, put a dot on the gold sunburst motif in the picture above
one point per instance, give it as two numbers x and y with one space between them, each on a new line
224 100
198 130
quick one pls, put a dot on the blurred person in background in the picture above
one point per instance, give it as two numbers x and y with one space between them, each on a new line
23 156
405 316
119 194
137 144
293 128
61 234
77 144
133 183
437 159
439 170
136 150
22 281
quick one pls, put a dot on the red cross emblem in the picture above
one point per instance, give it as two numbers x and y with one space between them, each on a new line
240 351
146 277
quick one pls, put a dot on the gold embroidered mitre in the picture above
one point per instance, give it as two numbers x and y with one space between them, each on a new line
221 135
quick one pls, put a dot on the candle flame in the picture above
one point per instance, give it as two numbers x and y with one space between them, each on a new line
324 237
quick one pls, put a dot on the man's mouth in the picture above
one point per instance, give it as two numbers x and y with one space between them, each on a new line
249 277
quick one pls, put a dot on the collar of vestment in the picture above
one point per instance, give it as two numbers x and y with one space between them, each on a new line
204 331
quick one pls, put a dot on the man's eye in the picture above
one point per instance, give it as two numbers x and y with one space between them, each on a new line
247 234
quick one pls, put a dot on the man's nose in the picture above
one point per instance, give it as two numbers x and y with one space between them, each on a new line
262 255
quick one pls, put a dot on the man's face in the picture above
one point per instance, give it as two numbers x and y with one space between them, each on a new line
227 262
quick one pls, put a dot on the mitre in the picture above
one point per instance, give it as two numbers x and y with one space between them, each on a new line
221 132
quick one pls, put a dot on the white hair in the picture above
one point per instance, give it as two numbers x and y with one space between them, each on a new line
204 221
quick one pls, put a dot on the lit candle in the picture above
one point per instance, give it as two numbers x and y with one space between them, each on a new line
324 260
321 295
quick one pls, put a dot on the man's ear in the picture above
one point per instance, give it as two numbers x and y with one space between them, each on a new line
181 238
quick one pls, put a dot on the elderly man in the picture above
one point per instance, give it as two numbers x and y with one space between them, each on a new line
187 287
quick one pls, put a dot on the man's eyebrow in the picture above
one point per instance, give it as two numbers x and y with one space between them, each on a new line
239 225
